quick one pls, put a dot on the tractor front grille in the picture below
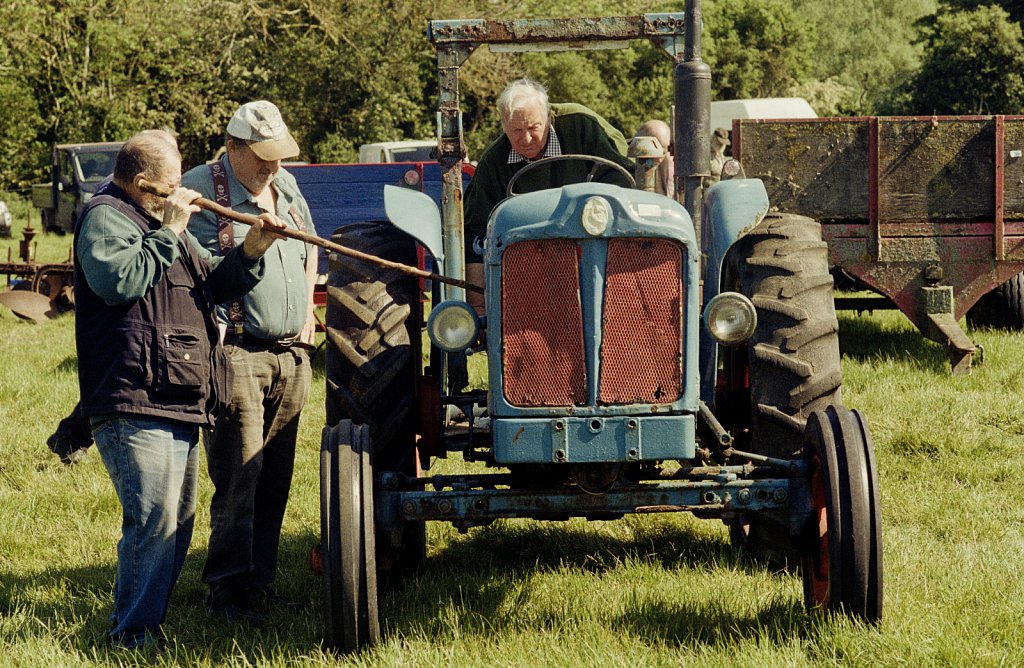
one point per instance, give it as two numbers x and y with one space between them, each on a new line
641 351
542 325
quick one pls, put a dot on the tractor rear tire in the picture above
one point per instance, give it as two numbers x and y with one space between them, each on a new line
793 358
372 332
1002 308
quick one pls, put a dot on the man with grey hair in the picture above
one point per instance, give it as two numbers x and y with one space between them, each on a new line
151 369
268 335
534 129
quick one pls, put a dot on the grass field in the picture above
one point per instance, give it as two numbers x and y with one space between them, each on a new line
643 591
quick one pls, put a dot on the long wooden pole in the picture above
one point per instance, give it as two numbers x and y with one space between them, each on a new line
249 219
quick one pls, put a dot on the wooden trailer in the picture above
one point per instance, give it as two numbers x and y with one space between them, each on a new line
926 211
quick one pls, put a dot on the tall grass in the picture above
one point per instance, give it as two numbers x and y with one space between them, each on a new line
642 591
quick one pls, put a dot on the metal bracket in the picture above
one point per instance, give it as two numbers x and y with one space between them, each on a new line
943 328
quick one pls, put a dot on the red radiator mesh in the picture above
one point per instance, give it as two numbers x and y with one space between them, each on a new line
642 353
542 324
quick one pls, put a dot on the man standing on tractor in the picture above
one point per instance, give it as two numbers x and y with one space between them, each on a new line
268 336
534 129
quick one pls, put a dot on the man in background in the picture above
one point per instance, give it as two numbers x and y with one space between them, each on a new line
719 142
664 184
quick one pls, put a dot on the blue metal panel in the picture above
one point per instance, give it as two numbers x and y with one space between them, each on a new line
593 439
731 208
417 215
555 214
593 266
341 194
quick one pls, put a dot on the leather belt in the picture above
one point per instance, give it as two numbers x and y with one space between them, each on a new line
251 342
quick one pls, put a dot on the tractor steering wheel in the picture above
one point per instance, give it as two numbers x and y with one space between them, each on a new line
598 161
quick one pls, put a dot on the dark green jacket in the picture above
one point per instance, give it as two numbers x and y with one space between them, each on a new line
579 130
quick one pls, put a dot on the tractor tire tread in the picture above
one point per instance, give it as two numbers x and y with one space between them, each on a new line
370 367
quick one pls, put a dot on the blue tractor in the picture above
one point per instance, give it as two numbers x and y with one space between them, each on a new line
643 355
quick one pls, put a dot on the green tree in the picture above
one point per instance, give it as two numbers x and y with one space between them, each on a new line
863 50
22 155
974 65
1014 8
347 73
757 48
100 70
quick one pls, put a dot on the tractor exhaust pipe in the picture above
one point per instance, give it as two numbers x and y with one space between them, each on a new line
692 119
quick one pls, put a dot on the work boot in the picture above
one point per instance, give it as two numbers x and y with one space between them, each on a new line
237 608
267 599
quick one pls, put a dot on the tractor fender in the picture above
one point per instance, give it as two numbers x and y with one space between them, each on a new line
731 208
417 215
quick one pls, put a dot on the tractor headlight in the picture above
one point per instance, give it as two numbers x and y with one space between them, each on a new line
731 318
597 213
453 326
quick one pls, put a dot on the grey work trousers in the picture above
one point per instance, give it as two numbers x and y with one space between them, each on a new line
250 456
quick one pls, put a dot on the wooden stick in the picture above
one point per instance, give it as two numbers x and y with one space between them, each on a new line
249 219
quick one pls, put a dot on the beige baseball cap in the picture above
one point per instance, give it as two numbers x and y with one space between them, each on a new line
260 123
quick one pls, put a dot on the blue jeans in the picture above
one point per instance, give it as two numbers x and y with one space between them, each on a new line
154 465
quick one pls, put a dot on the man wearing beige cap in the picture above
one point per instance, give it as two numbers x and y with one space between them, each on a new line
267 334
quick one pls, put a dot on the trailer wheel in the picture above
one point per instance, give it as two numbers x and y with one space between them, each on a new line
347 538
842 553
372 339
791 362
1002 308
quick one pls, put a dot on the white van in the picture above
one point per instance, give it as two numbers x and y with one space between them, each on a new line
409 150
724 111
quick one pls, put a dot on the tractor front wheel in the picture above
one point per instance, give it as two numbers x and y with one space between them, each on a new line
842 554
347 541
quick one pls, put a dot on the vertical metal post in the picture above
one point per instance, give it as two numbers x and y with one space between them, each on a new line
451 150
874 190
692 119
1000 158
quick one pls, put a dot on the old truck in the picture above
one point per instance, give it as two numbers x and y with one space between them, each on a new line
927 212
644 355
76 173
